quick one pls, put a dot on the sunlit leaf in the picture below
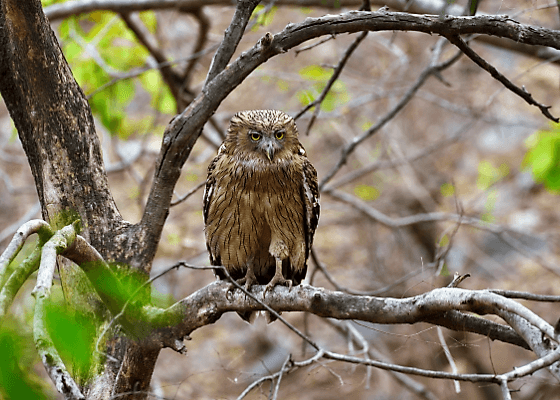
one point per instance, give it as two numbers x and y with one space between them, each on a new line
543 157
444 270
447 190
366 192
150 20
17 378
488 174
305 97
73 335
315 73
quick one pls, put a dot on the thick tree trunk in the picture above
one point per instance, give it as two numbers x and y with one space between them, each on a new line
56 128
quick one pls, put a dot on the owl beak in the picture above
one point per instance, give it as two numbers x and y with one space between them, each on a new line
269 151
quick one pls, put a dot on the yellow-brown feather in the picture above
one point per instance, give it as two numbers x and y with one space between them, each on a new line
257 208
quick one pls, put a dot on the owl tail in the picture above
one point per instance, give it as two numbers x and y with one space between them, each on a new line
251 316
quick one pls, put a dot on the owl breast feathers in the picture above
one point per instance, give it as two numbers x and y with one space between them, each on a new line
261 202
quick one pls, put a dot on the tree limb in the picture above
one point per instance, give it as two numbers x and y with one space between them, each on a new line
45 346
445 307
482 63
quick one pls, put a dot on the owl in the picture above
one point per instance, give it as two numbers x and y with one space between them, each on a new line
261 202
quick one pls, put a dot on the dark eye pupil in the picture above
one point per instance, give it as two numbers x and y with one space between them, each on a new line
255 136
279 135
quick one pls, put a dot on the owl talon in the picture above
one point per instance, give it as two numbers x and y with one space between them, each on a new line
278 280
249 280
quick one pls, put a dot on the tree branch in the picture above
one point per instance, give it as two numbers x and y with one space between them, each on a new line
232 37
208 304
45 346
482 63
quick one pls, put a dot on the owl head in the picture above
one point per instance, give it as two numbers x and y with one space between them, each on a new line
267 135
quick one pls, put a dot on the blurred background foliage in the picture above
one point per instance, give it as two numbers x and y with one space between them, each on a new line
462 145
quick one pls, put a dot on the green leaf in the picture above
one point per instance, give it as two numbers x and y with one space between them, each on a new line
305 97
162 98
282 85
315 73
17 379
543 157
444 270
444 241
124 91
490 206
447 190
366 192
73 335
488 174
150 20
263 18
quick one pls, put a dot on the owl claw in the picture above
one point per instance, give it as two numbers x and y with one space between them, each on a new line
249 280
278 280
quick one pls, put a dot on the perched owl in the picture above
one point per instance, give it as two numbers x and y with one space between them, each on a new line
261 202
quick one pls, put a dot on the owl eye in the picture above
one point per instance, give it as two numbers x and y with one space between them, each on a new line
279 135
255 136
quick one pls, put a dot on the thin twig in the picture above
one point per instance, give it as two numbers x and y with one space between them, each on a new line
280 374
432 69
268 308
449 357
336 73
385 164
188 194
521 92
513 294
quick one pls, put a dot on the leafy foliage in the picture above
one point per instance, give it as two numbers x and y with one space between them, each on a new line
543 157
488 174
338 94
366 192
264 17
73 334
101 50
17 380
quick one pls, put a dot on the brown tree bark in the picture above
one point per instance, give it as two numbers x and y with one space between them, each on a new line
56 128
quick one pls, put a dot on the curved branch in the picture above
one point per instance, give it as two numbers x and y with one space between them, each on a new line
19 238
440 306
45 346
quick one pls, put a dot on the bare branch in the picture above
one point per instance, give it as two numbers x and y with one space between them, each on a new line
384 219
513 294
413 386
336 73
385 164
18 240
534 337
16 280
188 194
433 69
232 37
207 305
481 62
63 10
45 346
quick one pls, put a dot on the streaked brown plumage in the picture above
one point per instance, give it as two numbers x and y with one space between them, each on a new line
261 202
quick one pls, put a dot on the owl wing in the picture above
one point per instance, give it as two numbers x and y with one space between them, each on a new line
207 199
310 195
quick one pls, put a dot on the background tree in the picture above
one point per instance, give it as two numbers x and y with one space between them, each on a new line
421 177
